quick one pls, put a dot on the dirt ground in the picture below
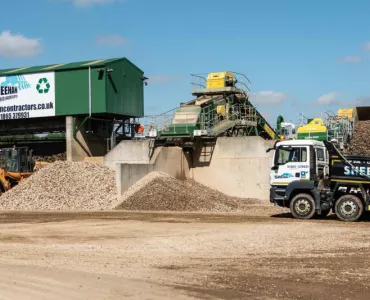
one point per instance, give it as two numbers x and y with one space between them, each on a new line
131 255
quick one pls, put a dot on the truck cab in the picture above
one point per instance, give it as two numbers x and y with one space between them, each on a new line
312 178
298 160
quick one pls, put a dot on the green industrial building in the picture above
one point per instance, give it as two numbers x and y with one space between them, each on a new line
83 100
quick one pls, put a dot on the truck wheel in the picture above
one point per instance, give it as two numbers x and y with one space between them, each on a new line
349 208
303 206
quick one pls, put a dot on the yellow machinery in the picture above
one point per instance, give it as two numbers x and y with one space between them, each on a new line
220 80
315 130
16 164
346 113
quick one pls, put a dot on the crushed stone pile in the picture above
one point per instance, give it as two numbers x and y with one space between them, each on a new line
359 144
51 158
159 191
64 186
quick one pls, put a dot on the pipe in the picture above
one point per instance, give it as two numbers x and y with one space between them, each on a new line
89 91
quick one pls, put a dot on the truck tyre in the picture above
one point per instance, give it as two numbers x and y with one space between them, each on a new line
303 206
349 208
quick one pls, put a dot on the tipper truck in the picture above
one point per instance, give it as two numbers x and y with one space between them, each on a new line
312 178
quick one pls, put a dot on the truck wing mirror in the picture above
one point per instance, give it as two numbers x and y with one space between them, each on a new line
273 148
275 168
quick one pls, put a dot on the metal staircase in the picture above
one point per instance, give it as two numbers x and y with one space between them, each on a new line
340 129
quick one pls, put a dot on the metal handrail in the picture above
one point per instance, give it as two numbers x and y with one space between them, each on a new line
205 120
248 115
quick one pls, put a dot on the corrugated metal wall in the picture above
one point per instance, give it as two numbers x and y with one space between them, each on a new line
125 93
72 92
120 93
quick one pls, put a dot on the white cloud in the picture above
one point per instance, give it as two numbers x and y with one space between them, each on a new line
367 46
268 97
351 59
86 3
162 78
327 99
111 40
16 45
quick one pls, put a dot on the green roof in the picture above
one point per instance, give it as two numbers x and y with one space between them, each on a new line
62 67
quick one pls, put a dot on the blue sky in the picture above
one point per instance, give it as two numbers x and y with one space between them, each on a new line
301 56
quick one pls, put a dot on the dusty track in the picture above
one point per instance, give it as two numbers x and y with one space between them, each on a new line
121 255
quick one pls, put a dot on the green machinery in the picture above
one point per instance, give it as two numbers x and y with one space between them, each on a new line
337 127
221 108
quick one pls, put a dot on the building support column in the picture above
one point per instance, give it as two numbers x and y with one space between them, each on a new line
69 137
78 144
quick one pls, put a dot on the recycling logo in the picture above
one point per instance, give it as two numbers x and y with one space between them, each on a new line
43 86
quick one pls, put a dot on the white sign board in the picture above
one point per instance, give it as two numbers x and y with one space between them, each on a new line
27 96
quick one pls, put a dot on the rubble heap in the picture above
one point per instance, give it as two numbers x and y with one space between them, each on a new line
64 186
161 192
360 144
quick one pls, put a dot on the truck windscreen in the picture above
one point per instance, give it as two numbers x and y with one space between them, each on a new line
285 155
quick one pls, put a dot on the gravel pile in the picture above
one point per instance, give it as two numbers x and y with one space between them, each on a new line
64 186
360 141
161 192
85 186
51 158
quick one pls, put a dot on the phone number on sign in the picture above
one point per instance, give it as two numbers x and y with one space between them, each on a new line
10 116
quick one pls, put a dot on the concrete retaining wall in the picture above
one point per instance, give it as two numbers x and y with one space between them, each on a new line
236 166
168 160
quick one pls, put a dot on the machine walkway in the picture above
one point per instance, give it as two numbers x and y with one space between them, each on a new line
221 108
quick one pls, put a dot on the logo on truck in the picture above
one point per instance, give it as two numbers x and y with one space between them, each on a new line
348 171
285 175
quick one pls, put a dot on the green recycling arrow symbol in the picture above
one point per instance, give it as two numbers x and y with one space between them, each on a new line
43 86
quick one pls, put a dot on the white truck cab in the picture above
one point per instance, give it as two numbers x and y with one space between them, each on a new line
298 160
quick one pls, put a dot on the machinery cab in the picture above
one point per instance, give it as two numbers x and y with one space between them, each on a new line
298 160
288 131
16 160
314 130
221 80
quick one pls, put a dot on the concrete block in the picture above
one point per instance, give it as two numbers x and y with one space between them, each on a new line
236 166
130 151
169 160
